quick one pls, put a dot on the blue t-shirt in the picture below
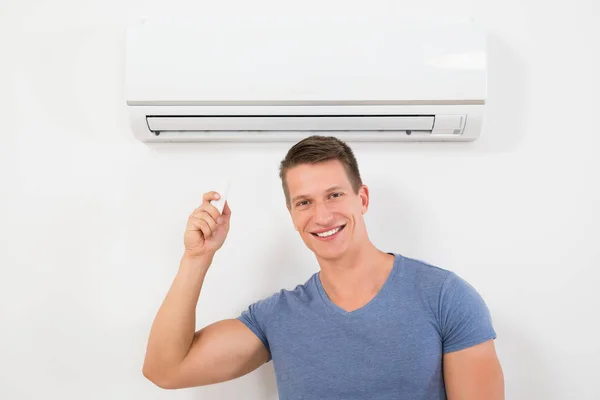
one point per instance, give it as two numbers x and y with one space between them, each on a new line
391 348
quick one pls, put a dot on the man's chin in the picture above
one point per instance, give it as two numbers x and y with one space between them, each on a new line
332 253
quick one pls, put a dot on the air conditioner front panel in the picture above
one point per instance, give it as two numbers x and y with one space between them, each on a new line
290 123
214 123
244 62
225 80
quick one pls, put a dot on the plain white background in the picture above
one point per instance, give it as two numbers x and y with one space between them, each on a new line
91 221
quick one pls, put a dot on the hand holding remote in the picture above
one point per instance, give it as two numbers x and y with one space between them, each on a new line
208 225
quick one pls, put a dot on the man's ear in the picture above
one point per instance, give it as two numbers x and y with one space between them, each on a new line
363 193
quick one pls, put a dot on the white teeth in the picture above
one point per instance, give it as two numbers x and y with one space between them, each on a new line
329 233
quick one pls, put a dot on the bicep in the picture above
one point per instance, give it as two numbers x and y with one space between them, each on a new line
474 373
222 351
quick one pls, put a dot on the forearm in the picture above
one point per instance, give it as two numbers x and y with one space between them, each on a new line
175 323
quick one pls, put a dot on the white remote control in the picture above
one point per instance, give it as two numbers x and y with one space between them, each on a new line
223 191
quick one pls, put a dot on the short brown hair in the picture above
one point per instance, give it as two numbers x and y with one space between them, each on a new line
315 149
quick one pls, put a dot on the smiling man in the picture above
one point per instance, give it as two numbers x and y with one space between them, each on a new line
369 325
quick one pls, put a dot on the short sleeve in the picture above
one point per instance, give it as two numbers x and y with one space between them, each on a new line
464 316
255 317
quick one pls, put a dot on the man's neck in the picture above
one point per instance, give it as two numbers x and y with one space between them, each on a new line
357 277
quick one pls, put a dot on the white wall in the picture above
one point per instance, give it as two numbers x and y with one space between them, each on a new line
91 221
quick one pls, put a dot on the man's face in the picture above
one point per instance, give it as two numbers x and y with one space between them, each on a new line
324 208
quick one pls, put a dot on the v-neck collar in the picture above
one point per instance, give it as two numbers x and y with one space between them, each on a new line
331 306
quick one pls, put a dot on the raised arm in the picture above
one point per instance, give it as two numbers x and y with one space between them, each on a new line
177 356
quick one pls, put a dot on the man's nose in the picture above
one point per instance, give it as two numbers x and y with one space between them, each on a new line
323 216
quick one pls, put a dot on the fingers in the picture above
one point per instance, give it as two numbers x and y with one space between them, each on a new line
210 196
211 209
206 225
207 208
207 218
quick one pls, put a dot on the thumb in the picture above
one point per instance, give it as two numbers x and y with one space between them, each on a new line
225 216
226 211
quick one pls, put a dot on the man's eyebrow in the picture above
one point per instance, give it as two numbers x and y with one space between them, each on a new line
304 196
296 198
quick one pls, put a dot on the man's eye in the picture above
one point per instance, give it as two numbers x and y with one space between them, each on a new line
302 203
336 194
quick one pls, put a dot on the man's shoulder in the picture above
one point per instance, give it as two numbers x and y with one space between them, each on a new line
285 296
441 284
424 271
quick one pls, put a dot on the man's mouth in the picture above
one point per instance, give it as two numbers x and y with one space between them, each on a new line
329 233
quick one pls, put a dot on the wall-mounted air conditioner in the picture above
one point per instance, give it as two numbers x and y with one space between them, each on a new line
283 82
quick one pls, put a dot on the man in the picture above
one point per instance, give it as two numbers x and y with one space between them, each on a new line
369 325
